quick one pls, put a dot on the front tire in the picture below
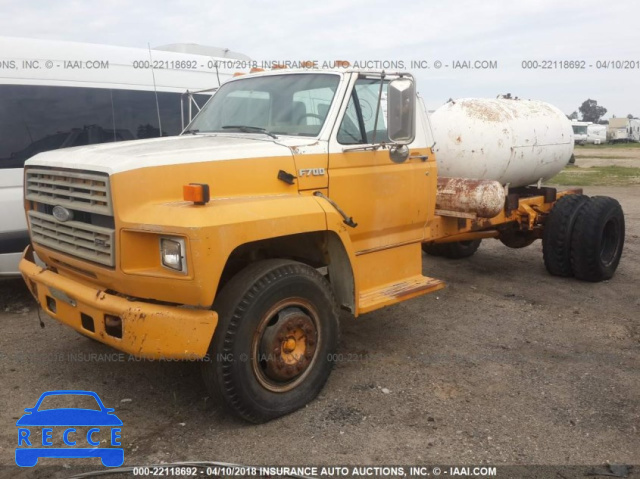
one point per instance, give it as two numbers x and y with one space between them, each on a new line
277 332
597 239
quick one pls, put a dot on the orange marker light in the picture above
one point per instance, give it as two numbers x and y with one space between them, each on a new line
196 192
256 70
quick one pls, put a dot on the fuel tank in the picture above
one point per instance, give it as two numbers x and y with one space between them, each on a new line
517 142
483 198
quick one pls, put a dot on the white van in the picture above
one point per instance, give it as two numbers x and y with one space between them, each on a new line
57 94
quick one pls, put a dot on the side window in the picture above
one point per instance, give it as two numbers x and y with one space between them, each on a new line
34 119
136 115
361 114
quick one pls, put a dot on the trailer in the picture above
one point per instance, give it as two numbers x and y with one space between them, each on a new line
290 197
634 129
580 131
596 134
618 130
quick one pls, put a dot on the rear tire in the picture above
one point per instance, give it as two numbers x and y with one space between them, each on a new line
557 234
433 249
455 250
277 331
597 239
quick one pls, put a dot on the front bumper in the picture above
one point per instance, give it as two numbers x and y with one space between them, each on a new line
148 330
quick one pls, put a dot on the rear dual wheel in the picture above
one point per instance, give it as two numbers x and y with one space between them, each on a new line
558 230
584 237
277 331
597 239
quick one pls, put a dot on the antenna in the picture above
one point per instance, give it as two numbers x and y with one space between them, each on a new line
155 90
217 72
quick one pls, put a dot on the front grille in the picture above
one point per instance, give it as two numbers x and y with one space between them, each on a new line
90 234
74 190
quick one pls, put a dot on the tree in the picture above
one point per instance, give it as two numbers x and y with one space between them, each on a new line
591 111
573 116
630 116
507 96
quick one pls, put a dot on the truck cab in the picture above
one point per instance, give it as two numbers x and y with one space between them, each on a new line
292 195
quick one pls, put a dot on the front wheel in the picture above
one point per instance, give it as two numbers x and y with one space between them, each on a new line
277 332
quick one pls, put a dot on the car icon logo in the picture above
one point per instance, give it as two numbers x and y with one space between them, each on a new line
65 422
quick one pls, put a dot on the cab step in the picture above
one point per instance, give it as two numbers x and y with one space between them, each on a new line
391 293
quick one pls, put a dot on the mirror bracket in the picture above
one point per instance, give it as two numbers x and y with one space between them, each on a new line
399 153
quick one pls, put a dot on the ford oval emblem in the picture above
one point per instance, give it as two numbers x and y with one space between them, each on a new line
62 214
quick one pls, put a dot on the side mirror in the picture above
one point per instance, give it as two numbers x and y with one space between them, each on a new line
401 111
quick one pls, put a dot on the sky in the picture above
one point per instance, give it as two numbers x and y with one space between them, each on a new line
587 32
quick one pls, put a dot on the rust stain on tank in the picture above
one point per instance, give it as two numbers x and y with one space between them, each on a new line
482 111
484 198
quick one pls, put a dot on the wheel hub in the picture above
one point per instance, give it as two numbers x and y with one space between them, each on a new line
288 345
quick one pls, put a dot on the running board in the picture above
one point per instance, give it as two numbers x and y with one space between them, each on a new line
391 293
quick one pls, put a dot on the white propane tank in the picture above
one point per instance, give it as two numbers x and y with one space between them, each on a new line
517 142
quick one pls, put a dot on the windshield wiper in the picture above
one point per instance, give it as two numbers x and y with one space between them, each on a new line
249 129
193 132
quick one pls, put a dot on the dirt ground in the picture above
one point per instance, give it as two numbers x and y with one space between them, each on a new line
607 156
508 365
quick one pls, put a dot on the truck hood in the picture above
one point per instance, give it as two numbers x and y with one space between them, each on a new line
114 158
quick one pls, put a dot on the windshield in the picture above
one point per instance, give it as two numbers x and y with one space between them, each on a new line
276 104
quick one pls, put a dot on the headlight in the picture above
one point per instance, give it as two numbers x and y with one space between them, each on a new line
172 253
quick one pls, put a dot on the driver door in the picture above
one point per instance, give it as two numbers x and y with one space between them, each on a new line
388 201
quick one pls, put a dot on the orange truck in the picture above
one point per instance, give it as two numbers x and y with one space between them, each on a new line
294 194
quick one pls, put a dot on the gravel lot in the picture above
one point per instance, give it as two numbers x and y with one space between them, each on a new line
607 156
508 365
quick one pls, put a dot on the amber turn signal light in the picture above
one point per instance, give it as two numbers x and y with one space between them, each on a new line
196 192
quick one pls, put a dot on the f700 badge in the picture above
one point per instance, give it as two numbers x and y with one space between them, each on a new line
312 172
